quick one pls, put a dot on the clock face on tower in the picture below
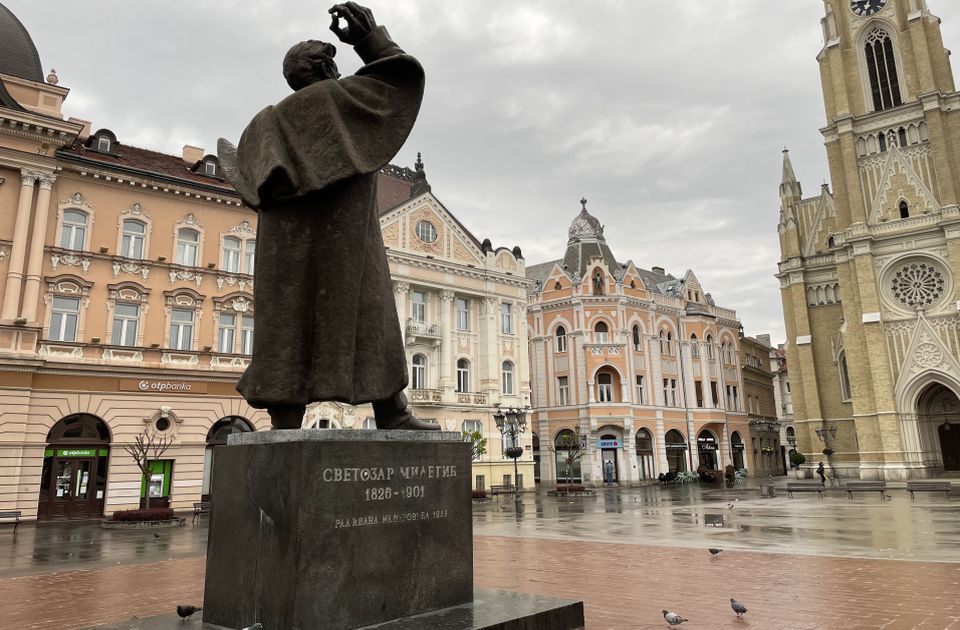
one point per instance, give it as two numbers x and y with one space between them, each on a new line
867 7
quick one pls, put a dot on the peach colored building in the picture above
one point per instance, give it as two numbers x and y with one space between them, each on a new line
126 306
643 365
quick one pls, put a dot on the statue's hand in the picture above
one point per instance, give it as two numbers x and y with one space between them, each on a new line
359 22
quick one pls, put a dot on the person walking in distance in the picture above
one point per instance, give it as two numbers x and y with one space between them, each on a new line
823 476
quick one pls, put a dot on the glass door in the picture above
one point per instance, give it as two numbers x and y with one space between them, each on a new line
72 485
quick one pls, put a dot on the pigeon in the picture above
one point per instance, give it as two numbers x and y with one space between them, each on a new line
729 506
673 619
187 611
156 535
714 551
738 608
256 626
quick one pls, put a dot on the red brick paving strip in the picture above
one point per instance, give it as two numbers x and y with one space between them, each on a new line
623 587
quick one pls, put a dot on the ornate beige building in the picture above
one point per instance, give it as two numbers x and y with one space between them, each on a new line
126 306
643 365
868 270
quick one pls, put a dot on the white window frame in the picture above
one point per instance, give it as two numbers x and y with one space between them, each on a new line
418 372
561 339
506 318
130 239
60 317
507 371
188 252
641 395
226 332
602 336
181 332
605 390
232 254
563 391
426 231
128 325
103 144
73 234
463 376
463 314
249 255
247 324
418 308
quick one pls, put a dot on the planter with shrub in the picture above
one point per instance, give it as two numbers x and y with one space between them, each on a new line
139 519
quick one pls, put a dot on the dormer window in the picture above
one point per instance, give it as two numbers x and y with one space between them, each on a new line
103 144
210 168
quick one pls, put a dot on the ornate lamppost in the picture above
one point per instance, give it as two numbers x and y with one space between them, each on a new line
512 423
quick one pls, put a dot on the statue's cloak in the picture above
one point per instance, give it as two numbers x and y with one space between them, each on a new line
326 320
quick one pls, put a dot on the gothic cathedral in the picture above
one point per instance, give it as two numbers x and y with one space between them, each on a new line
870 270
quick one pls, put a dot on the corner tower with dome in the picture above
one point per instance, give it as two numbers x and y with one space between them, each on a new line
869 268
642 365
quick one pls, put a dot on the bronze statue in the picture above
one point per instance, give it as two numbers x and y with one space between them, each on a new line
327 326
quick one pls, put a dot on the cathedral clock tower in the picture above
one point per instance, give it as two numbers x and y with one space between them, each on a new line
869 268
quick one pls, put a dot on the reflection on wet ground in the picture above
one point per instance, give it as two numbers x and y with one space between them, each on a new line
927 528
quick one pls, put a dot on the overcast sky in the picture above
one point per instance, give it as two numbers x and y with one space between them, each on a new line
668 115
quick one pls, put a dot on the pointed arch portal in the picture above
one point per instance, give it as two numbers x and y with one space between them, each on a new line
938 413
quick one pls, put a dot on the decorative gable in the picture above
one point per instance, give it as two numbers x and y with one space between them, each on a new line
927 354
901 182
423 226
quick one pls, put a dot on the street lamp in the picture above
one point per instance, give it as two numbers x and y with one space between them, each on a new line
512 423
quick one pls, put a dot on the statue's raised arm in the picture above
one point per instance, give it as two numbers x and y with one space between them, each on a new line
328 331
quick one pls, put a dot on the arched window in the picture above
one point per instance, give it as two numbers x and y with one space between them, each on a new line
506 376
694 346
604 387
666 342
902 137
904 210
561 339
676 447
418 375
188 244
231 254
557 286
134 233
882 70
73 231
463 376
844 376
709 346
645 461
637 341
736 446
602 332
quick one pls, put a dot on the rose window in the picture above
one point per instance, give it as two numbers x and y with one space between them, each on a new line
918 285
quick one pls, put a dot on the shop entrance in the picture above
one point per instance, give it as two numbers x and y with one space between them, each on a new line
645 455
676 447
609 444
707 448
73 484
736 446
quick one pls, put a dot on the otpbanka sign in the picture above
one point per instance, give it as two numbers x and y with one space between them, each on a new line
154 386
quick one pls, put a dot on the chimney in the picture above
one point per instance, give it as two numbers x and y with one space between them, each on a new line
659 270
764 340
192 155
85 132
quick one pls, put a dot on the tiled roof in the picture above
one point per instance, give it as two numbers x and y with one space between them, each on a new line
146 162
18 55
393 187
539 273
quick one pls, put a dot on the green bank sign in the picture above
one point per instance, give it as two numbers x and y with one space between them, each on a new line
77 452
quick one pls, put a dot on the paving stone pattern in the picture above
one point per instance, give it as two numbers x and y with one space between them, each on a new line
624 586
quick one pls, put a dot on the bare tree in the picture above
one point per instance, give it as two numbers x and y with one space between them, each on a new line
571 448
146 451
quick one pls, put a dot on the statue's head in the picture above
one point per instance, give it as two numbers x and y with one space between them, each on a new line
309 62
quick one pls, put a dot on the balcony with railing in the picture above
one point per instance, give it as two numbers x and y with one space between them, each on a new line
426 396
467 398
422 329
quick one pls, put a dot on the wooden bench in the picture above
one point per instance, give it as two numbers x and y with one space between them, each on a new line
201 507
808 486
928 486
506 489
867 486
15 514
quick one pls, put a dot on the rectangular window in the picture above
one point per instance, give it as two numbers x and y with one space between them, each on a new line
64 315
472 426
640 392
188 244
181 329
463 314
605 392
418 306
246 334
126 317
506 318
673 393
563 390
715 394
666 392
231 255
507 378
561 343
463 376
131 245
226 329
249 253
698 388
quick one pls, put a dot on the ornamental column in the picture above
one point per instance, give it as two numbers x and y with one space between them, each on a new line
11 294
400 291
446 340
31 292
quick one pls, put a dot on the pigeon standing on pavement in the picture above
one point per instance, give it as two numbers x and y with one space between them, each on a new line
673 619
738 608
714 551
156 535
256 626
187 611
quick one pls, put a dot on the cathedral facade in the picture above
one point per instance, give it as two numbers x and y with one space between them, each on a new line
869 268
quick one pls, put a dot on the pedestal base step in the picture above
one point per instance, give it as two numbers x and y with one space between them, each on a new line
490 610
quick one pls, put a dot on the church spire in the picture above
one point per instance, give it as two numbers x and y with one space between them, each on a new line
790 190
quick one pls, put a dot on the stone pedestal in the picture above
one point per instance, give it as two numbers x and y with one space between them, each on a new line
338 529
